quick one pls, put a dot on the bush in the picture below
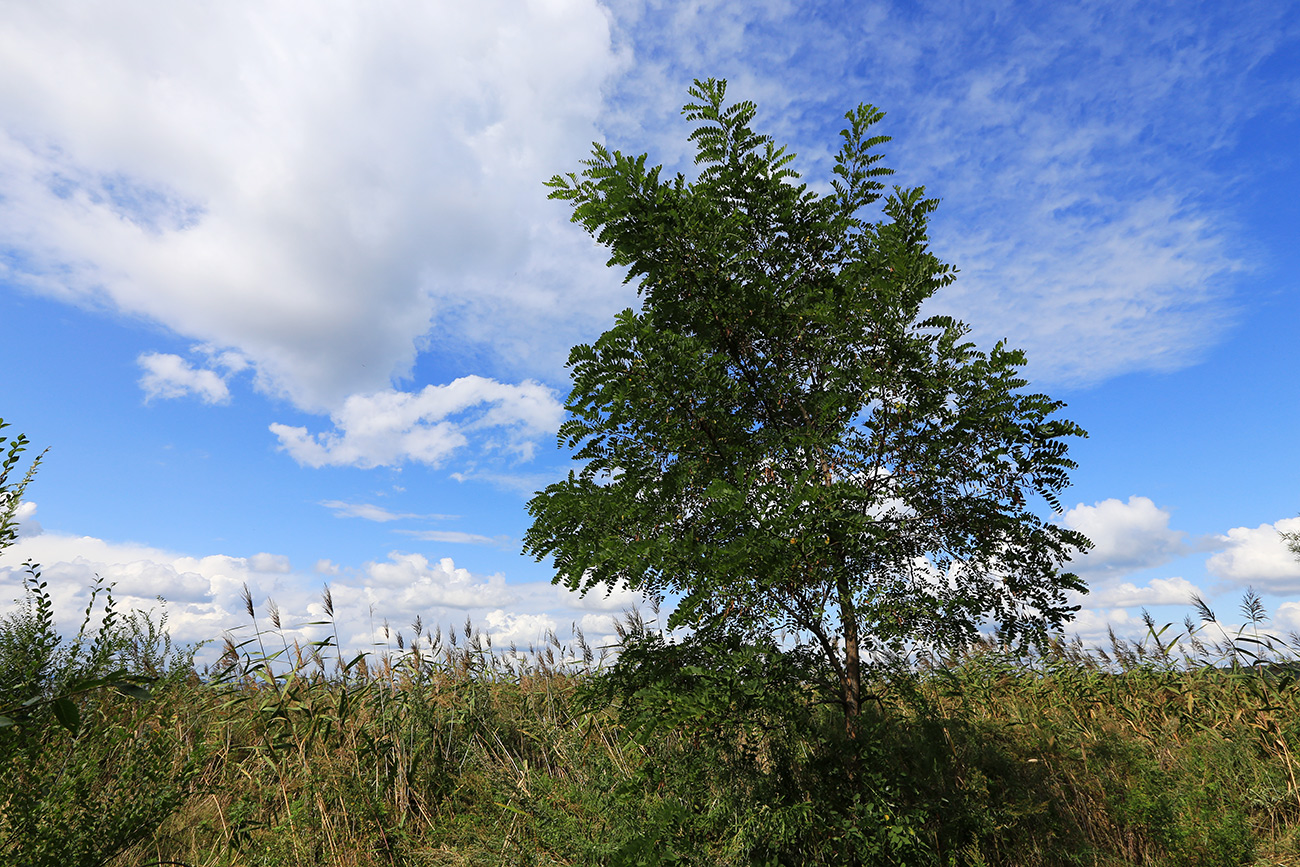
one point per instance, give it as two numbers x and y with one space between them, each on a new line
90 762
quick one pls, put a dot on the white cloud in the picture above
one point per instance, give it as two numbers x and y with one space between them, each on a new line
203 593
371 512
363 510
411 581
27 525
456 537
388 428
1259 556
522 629
274 563
1092 624
314 188
1287 617
597 624
170 376
1138 289
1126 536
520 483
319 194
602 598
1157 591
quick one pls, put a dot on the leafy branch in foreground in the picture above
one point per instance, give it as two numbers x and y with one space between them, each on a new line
38 673
11 492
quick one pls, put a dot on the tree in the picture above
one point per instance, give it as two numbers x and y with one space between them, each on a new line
778 437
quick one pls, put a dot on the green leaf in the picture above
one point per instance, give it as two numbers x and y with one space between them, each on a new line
133 690
68 714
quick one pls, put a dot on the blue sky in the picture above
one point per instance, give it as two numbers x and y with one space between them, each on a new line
281 291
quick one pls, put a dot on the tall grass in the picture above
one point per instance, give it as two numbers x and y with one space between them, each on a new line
439 748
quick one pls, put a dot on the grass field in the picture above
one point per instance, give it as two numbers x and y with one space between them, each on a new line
445 751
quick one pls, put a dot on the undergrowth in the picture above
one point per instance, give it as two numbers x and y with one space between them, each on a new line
443 750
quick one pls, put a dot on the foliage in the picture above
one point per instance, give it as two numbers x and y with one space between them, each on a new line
90 763
1167 752
778 438
11 490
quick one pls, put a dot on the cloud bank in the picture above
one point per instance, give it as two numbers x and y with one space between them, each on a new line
327 190
204 595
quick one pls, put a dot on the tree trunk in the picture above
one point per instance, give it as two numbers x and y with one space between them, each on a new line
852 682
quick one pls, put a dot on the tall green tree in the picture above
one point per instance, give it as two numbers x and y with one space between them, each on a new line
778 438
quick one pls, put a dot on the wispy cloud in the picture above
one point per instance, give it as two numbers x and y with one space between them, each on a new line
371 512
329 219
456 537
1074 148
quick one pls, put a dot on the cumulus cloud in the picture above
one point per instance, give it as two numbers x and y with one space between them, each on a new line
27 525
388 428
170 376
1259 556
1093 625
313 188
1287 617
1157 591
602 599
522 629
1126 536
274 563
203 592
411 579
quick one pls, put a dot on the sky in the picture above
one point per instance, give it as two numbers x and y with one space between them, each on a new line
283 296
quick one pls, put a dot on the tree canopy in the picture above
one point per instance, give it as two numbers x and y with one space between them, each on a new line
779 438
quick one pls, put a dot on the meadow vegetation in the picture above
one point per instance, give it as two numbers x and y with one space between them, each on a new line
441 749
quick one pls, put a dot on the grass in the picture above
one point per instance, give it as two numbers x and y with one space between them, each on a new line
446 751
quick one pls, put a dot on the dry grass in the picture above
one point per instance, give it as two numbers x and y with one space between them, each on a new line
1170 751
